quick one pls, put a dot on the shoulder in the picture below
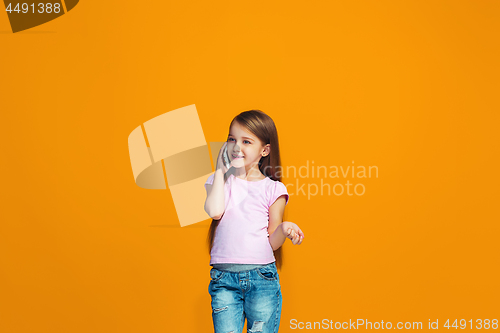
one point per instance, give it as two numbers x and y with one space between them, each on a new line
210 179
275 183
275 190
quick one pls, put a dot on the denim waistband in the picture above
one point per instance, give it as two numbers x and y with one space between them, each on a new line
230 267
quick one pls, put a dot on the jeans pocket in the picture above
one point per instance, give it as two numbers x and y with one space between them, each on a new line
216 275
268 273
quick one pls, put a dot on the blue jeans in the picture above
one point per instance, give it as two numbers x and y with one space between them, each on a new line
253 294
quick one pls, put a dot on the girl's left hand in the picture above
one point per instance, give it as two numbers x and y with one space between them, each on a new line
293 232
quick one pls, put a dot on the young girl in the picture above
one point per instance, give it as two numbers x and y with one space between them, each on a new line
246 203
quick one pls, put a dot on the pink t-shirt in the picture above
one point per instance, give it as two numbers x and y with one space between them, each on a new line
241 236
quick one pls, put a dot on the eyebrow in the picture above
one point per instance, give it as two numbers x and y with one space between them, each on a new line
244 137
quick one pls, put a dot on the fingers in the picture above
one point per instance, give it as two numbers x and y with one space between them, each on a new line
301 234
221 160
221 150
295 237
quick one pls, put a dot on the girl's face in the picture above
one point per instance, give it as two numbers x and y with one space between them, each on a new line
244 148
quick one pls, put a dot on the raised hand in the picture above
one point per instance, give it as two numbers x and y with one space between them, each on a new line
220 160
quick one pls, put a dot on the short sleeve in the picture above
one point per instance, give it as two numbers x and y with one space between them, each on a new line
210 180
277 190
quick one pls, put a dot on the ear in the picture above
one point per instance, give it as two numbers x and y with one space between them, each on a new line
267 150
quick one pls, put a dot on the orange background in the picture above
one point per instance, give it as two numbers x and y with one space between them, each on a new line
408 86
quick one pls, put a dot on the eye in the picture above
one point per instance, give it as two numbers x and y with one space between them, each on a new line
243 140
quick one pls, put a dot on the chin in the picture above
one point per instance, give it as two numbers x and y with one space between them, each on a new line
238 164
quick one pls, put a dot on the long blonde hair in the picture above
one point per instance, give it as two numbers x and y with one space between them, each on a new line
262 126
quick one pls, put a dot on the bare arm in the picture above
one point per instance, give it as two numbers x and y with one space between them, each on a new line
279 231
276 235
215 202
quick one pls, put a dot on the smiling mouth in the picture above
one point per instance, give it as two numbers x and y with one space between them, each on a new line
234 156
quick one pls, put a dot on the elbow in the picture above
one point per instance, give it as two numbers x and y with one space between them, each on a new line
217 216
214 216
276 240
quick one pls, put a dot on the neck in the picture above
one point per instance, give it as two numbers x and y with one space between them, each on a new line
251 171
